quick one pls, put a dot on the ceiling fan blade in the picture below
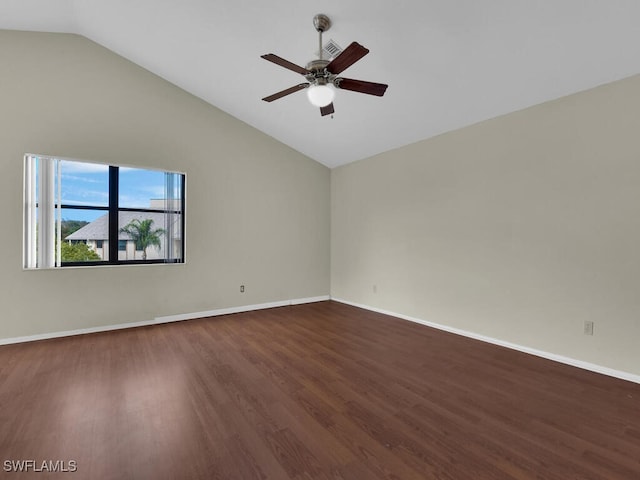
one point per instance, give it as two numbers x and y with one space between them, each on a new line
361 86
285 63
348 57
328 110
285 92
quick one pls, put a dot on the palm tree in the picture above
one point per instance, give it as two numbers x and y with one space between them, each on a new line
143 235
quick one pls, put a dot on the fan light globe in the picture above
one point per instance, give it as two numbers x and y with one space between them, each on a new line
321 95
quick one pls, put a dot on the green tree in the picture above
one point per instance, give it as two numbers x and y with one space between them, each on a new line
70 226
142 233
77 252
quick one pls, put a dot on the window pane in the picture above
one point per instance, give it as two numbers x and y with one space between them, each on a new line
141 188
84 235
150 236
84 183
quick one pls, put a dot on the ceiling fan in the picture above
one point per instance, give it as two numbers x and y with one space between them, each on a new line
322 75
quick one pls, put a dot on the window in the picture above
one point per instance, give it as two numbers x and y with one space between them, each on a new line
84 213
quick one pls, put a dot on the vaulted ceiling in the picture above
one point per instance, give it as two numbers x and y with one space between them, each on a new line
448 63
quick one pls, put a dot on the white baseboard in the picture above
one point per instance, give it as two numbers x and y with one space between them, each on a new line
164 319
299 301
539 353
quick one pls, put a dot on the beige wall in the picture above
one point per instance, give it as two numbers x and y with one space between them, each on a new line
257 211
519 228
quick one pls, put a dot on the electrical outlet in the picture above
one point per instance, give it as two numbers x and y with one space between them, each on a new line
241 288
588 327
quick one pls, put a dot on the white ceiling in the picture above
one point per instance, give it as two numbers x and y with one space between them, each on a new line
448 63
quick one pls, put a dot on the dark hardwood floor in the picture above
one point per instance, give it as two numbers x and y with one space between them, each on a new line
318 391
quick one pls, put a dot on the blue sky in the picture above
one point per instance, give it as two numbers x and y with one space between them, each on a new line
86 183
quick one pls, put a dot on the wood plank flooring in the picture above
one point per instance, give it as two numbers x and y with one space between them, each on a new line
320 391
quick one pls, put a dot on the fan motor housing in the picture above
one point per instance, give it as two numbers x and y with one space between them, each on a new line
319 74
317 66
